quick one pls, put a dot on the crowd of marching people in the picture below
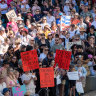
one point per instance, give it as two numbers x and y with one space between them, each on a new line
38 27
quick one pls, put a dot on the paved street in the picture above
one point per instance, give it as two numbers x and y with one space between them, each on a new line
92 93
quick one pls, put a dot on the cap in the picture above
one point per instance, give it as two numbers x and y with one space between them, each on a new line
5 90
76 14
60 14
19 18
29 14
25 30
33 24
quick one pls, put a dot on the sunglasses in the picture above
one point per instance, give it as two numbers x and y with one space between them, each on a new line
46 49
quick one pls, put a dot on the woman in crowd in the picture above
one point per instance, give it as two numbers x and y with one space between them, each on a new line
2 84
11 80
29 80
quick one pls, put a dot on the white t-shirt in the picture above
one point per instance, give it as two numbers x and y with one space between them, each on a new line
44 24
3 6
42 56
94 24
73 33
31 86
50 19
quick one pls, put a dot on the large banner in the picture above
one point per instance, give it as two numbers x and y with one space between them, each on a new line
46 77
65 22
11 14
29 60
19 91
63 58
70 44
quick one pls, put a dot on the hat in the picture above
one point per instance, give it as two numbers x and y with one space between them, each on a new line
19 18
29 14
33 24
67 2
21 26
82 29
25 30
5 90
90 56
77 14
60 14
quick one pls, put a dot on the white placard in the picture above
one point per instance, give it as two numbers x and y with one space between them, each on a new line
65 22
79 87
69 44
73 75
12 14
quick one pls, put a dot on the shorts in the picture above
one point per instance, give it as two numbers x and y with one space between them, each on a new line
72 83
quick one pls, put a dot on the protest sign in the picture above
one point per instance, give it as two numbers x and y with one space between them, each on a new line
62 58
73 75
29 60
46 77
65 22
11 14
19 91
70 44
79 87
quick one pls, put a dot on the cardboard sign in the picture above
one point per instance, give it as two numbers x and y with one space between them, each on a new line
19 91
70 44
11 14
46 77
62 58
79 87
73 75
65 22
29 60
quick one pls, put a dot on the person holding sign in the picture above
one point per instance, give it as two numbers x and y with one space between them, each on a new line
72 82
28 79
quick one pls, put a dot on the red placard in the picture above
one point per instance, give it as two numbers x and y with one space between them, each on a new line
29 60
46 77
62 58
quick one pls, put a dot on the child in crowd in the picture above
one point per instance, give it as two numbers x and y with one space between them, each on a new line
91 64
72 83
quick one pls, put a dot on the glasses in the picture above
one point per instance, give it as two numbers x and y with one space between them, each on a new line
44 19
46 49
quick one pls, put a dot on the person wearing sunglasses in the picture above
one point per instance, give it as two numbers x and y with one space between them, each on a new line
57 45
